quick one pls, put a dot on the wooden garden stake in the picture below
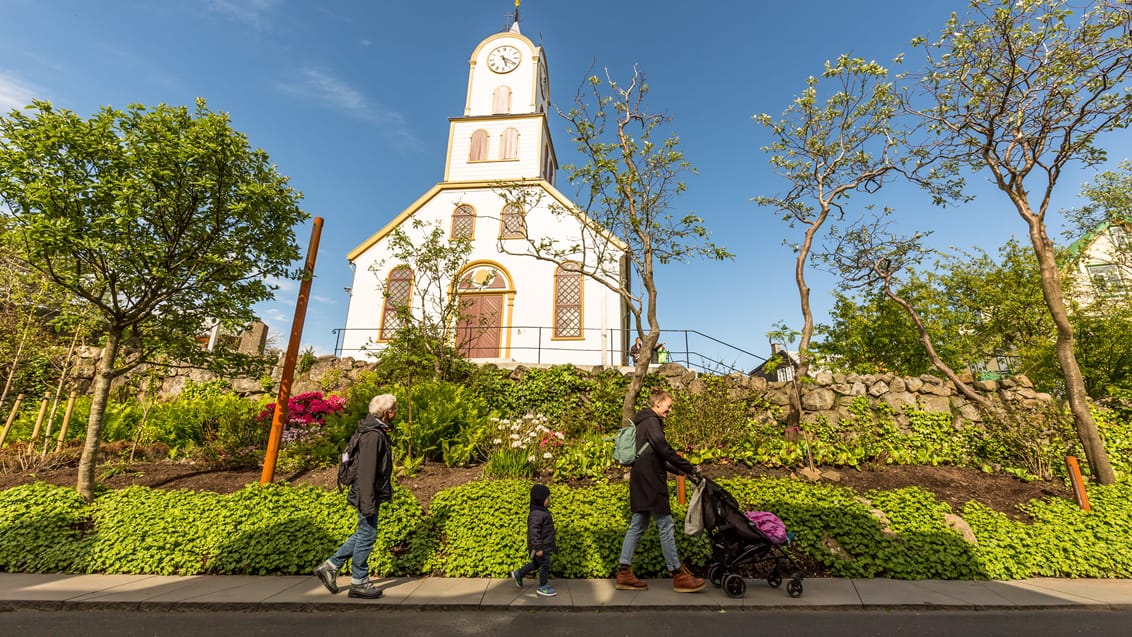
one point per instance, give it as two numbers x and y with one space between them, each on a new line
39 419
11 418
66 421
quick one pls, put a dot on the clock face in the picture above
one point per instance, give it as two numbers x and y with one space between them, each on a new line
503 59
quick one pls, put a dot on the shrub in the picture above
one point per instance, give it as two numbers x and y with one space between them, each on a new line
447 423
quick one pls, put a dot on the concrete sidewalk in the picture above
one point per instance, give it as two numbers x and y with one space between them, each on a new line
214 592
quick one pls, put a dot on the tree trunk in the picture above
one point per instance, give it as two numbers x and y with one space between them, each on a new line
933 356
794 415
99 398
629 406
1071 371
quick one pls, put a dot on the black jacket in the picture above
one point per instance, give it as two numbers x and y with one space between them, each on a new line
540 530
374 483
648 479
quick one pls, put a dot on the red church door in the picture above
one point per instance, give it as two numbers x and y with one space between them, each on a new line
480 326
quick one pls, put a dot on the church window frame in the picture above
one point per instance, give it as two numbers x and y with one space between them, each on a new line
512 222
509 143
569 306
463 222
478 147
397 295
501 100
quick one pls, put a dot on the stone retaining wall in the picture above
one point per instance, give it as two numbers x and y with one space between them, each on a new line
828 395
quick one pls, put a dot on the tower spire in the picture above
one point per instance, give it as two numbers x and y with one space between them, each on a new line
514 28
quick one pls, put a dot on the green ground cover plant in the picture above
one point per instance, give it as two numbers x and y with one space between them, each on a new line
478 529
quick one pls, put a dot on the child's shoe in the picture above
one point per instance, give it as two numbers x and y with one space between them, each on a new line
518 580
546 591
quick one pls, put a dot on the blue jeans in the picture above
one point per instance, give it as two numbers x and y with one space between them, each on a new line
664 525
542 563
357 548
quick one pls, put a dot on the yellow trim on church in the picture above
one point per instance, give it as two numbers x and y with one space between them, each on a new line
473 185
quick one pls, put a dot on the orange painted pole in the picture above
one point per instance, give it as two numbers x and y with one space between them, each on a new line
276 435
680 489
11 419
1078 483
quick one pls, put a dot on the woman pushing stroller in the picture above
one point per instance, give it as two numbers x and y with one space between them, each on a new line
648 498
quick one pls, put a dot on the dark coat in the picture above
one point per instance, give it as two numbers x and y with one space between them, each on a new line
374 483
648 479
540 530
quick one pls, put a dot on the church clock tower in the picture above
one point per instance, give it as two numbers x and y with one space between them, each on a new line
513 306
503 134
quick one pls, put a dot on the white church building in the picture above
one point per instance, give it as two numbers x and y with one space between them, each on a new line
514 307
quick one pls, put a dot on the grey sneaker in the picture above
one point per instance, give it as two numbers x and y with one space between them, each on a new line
546 591
329 576
365 591
518 580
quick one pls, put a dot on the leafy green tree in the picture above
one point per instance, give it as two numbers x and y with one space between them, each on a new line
974 306
422 344
869 334
1021 89
1102 322
867 255
828 151
626 190
161 219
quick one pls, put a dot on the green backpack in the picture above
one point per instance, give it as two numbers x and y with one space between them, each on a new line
625 449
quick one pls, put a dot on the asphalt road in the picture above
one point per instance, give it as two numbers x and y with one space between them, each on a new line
660 623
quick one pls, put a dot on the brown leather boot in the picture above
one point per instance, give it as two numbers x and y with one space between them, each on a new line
684 582
626 581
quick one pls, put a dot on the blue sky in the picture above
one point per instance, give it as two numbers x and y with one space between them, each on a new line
351 99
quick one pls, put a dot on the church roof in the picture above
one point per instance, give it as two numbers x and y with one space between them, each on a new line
472 185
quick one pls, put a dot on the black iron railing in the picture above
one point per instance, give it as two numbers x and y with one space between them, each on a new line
535 344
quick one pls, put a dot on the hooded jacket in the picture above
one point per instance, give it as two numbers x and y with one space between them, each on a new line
648 479
540 524
374 483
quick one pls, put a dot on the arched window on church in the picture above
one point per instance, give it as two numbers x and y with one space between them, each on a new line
398 292
501 101
509 144
568 301
478 151
512 224
463 222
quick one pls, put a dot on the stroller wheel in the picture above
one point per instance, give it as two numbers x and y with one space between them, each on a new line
774 579
715 573
794 588
734 585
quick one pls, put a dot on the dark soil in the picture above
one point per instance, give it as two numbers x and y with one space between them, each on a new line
953 485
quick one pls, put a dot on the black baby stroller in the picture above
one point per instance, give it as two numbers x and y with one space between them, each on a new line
736 542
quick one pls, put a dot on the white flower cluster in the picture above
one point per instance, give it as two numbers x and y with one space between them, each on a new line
529 432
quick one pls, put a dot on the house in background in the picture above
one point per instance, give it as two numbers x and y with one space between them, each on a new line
514 307
781 366
1103 259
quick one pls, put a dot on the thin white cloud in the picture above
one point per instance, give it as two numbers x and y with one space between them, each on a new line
251 12
15 93
329 91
